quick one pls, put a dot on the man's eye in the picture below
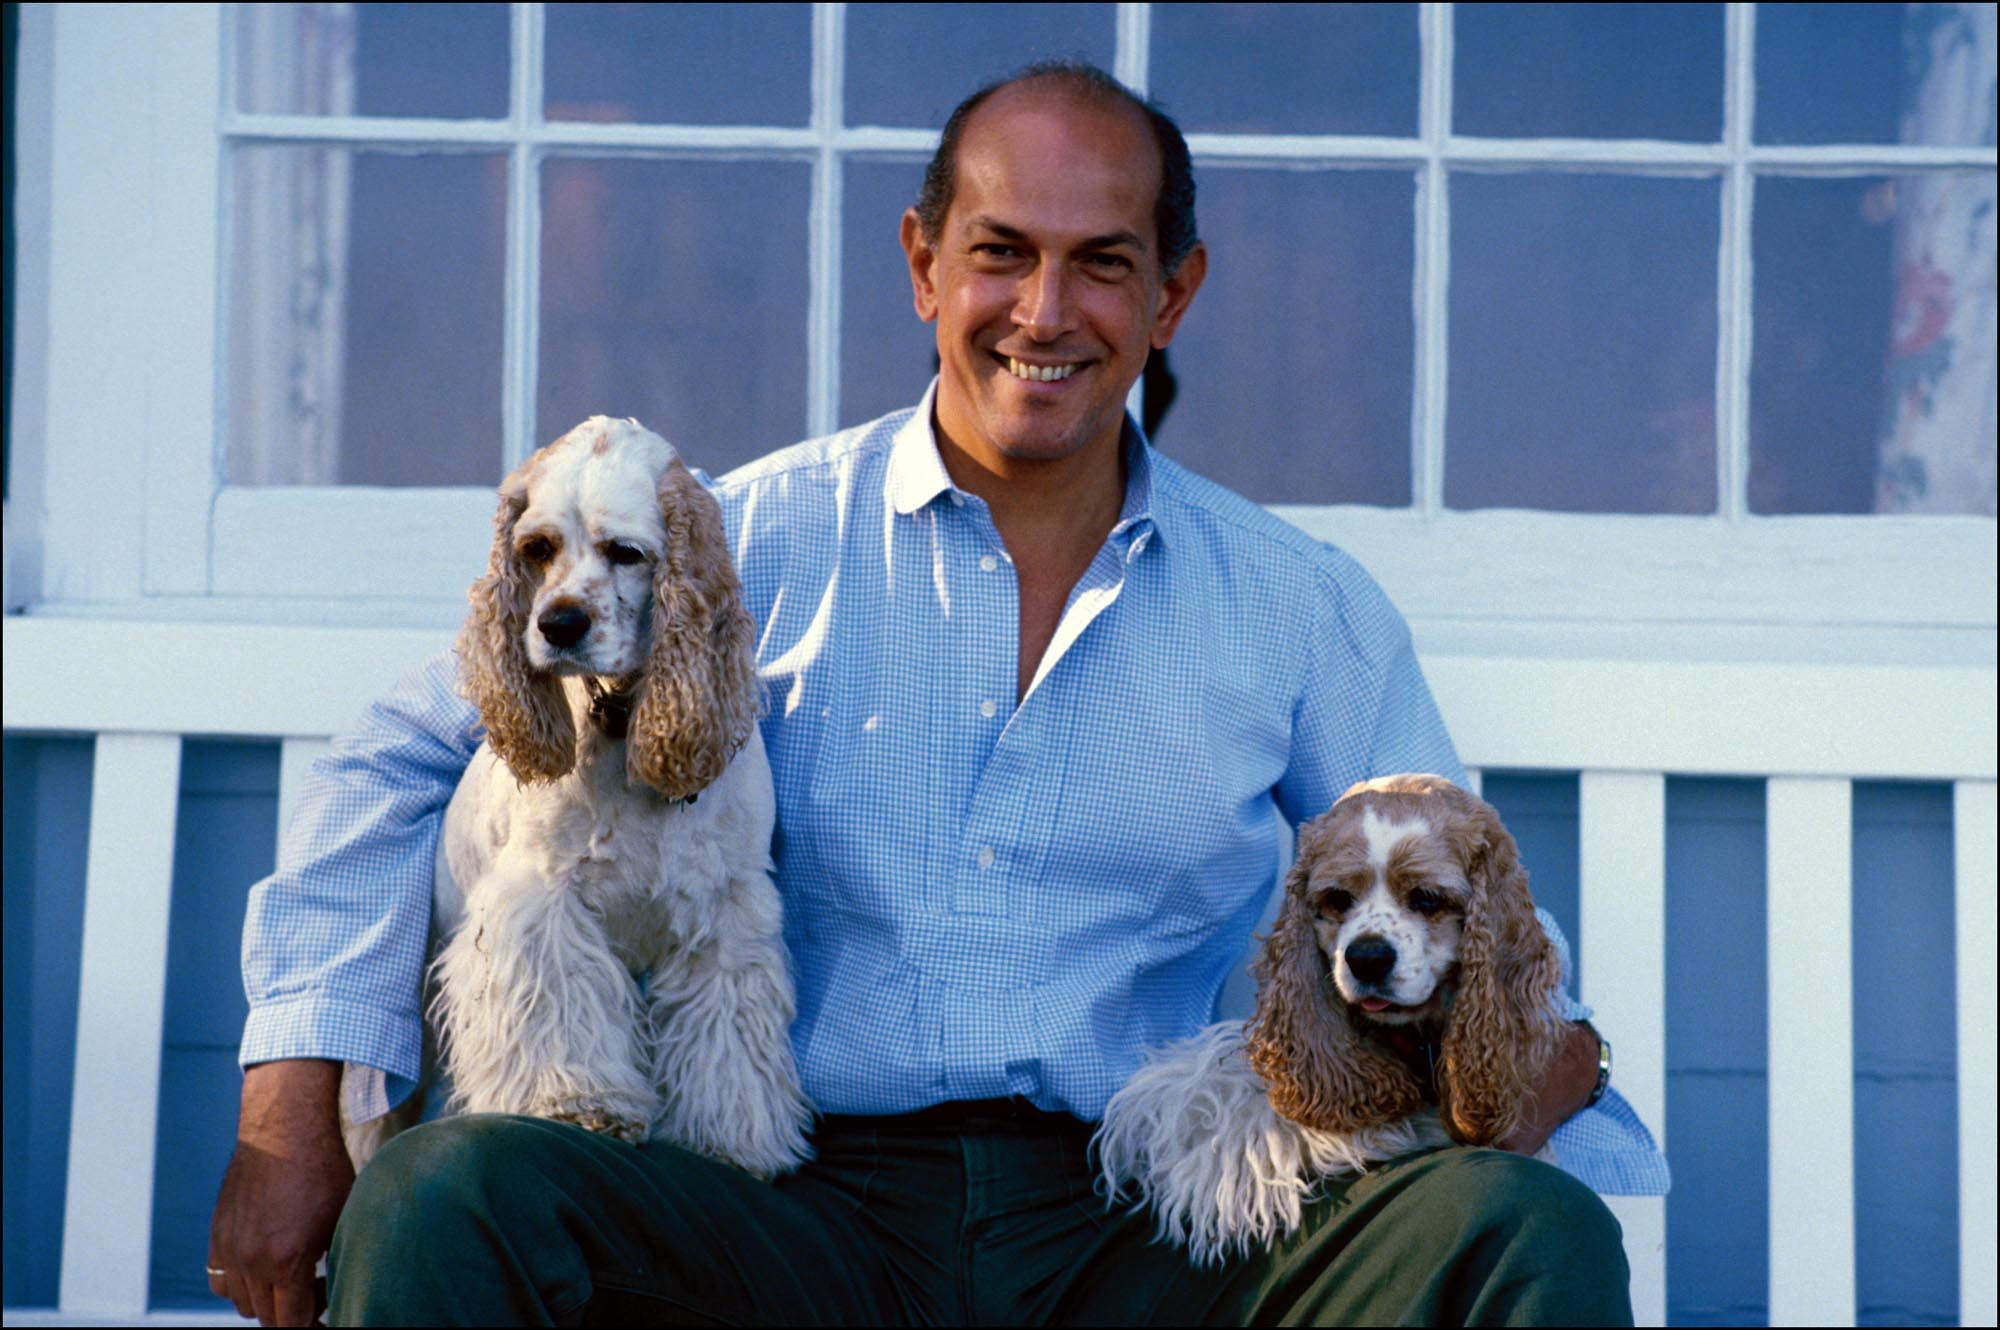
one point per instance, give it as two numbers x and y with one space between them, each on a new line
1111 261
538 549
1426 903
624 554
996 250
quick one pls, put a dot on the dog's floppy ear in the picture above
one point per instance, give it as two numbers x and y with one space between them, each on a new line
1505 1028
699 696
526 715
1320 1072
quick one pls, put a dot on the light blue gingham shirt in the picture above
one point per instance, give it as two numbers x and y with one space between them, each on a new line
981 898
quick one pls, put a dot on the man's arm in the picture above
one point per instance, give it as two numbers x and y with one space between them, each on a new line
1572 1079
333 948
282 1192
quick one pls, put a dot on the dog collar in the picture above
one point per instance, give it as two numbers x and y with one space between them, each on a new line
610 712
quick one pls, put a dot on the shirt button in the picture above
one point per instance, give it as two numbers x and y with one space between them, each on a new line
988 708
986 856
988 563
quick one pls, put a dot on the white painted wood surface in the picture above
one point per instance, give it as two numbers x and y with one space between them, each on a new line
1976 851
1622 939
1644 1220
121 1001
1809 949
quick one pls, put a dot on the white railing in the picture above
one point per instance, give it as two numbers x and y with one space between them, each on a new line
1810 731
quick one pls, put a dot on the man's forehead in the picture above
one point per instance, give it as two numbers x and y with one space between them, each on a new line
1032 147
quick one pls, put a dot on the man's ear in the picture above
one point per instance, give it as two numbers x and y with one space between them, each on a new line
1175 294
922 258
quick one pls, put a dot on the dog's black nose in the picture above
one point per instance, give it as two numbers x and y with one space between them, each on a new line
563 625
1371 958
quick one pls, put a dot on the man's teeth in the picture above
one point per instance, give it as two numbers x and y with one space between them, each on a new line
1039 373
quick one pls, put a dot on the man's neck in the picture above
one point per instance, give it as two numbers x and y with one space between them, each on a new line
1069 502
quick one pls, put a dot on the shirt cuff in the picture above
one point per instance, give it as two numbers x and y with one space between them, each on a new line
383 1051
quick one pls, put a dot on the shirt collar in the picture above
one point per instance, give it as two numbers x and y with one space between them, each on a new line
917 476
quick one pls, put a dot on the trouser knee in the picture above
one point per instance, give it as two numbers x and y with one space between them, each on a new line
432 1181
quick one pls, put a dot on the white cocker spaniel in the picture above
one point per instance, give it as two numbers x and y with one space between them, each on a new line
608 936
1407 998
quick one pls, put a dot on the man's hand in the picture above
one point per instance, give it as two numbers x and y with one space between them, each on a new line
1571 1078
282 1193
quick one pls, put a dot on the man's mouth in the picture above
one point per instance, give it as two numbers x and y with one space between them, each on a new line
1021 369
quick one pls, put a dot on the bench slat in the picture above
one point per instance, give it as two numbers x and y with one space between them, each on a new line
1622 867
108 1206
1975 851
1809 847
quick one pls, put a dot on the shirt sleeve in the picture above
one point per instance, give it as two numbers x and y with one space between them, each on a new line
1364 708
334 940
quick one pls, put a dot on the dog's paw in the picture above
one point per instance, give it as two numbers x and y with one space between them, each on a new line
595 1115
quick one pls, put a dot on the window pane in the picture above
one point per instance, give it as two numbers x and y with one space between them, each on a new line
675 291
886 354
687 64
1869 73
1287 68
1872 367
1588 71
1294 362
1582 332
910 64
366 297
376 59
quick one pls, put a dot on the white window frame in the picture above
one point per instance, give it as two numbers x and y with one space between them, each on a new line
141 522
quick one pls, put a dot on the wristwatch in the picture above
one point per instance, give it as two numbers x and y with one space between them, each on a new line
1603 1067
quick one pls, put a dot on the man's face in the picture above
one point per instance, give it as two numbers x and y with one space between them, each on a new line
1045 280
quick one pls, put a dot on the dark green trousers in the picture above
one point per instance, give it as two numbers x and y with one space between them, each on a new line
492 1220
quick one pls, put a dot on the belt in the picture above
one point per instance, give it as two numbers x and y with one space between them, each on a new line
964 1116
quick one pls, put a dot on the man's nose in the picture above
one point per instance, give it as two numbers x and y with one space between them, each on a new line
1042 309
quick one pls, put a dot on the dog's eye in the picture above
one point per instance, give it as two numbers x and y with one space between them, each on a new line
620 553
1426 903
1335 902
538 549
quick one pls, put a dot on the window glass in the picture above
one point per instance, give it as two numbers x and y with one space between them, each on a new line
1872 369
1588 71
366 306
1874 73
910 64
676 291
886 354
1293 365
1287 68
446 60
1583 325
688 63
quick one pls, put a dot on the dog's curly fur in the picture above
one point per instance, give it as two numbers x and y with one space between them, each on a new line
609 940
1226 1133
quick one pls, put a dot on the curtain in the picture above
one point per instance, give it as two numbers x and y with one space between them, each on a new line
289 251
1937 440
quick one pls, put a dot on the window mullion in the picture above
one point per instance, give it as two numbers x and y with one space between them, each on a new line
1130 66
823 264
1732 287
1433 265
520 375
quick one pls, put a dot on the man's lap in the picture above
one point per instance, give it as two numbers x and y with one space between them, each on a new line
495 1219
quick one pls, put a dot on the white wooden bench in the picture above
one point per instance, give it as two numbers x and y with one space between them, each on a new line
1625 726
